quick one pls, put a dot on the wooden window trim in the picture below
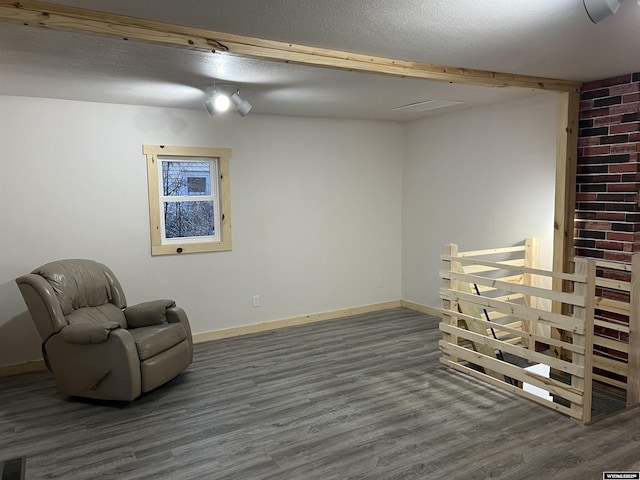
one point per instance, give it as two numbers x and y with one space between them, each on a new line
154 153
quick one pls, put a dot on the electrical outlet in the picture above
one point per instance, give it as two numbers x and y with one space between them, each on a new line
255 301
380 282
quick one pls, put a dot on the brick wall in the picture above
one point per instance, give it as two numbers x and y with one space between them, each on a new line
607 220
607 213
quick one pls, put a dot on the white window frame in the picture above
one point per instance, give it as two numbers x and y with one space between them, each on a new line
220 194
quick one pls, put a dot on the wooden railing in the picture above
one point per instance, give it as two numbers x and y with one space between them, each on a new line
495 325
616 358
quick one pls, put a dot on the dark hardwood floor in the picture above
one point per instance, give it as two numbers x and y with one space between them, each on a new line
357 398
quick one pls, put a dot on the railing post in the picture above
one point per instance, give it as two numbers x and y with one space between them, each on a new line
585 340
531 260
451 250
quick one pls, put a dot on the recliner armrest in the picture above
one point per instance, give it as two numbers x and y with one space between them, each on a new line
88 333
178 315
148 313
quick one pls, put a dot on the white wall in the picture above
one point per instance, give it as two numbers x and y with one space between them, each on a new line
480 178
316 210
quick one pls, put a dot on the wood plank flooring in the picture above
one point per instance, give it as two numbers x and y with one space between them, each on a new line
357 398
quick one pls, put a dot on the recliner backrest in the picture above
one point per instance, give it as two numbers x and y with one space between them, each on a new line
61 288
77 283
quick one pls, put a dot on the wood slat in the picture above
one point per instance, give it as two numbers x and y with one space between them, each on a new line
610 381
613 306
613 284
518 262
491 251
610 365
625 267
535 315
611 344
571 277
529 355
563 390
611 325
510 388
568 298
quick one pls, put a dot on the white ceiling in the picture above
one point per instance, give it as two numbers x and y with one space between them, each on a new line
546 38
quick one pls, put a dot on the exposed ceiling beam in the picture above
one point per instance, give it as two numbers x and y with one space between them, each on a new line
71 19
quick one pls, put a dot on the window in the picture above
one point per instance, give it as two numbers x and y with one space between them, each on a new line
189 201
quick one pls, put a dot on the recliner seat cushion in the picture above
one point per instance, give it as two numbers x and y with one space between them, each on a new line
98 315
156 339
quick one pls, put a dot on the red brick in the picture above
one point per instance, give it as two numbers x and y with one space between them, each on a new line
607 245
591 85
623 168
614 274
625 128
618 197
618 80
624 148
624 88
625 108
622 187
618 257
587 141
631 97
620 236
596 150
610 216
586 105
597 225
608 120
598 112
585 197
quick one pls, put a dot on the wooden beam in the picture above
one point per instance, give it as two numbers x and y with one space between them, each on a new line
71 19
565 195
566 164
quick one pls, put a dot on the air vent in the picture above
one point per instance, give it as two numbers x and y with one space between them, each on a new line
12 469
427 105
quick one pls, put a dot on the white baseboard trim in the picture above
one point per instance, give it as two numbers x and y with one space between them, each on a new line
20 368
288 322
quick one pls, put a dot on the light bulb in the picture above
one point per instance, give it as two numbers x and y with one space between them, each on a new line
221 102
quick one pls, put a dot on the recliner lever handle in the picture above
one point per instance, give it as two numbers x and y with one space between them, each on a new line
100 380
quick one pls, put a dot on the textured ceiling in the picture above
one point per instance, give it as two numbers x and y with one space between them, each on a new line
548 38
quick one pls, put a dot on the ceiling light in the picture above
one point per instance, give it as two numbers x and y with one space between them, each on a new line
222 96
242 106
221 102
598 10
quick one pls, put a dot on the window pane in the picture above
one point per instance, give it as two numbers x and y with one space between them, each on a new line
188 219
185 178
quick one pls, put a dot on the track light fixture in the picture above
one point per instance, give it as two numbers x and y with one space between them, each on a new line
598 10
222 96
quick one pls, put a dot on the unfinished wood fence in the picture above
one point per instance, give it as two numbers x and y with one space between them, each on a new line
498 325
616 359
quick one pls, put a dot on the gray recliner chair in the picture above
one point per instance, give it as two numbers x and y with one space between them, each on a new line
96 346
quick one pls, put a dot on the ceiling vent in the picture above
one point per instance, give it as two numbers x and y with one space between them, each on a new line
427 105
